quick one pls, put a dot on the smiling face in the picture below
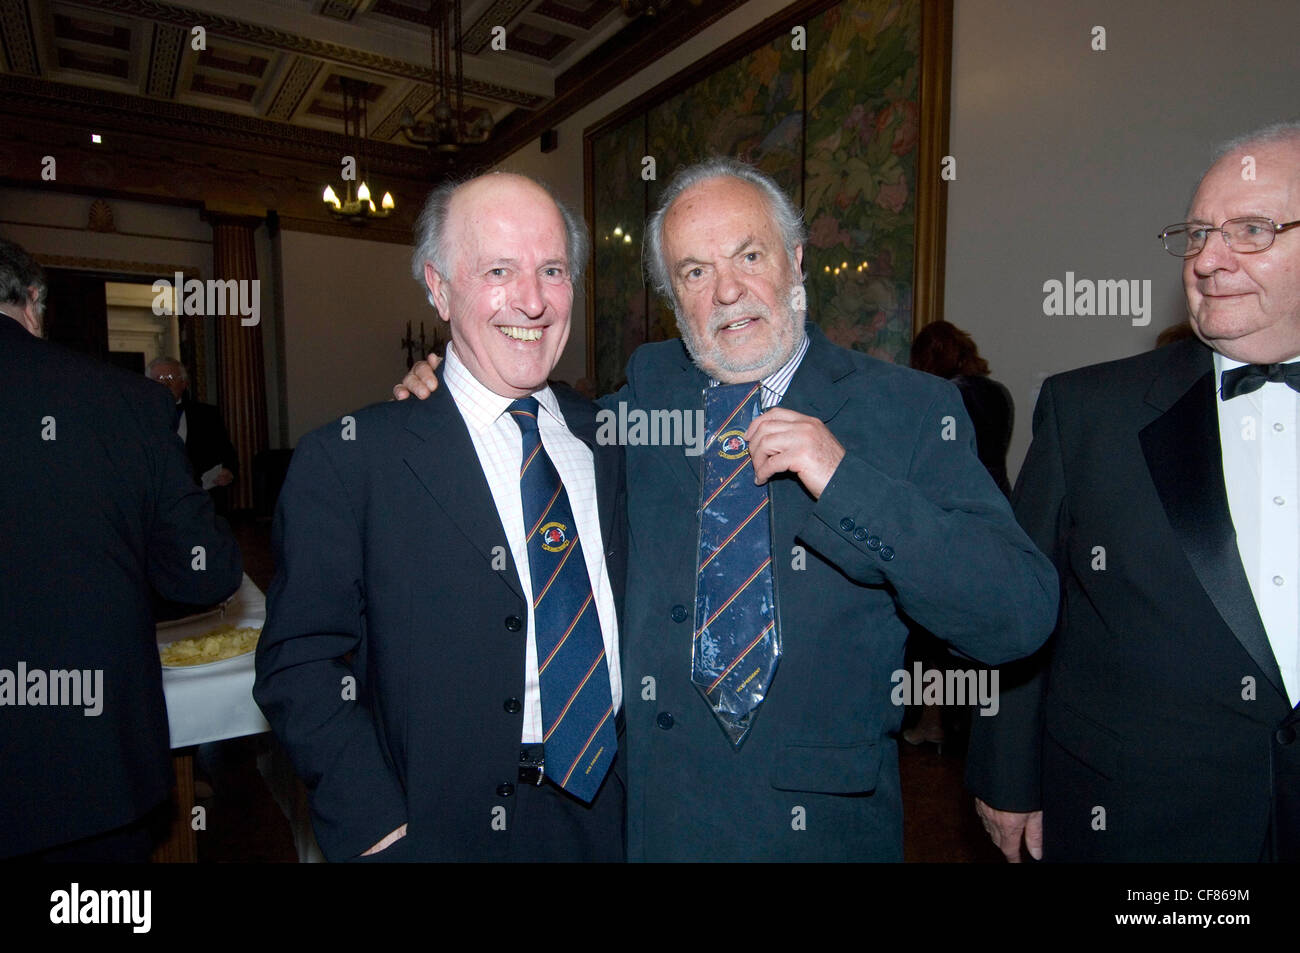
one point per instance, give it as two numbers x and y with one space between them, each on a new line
733 280
508 296
1247 306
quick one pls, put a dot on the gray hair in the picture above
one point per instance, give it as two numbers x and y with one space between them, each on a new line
20 272
431 227
1272 134
159 361
785 214
1288 132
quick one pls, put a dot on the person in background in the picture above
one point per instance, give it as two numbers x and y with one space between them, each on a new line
946 351
212 455
98 509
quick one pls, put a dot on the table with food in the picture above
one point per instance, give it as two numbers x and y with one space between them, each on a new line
207 664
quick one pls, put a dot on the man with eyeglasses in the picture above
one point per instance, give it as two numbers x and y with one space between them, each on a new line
1159 722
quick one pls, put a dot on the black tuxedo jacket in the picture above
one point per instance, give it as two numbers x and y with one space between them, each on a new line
910 521
206 439
1154 725
394 648
98 507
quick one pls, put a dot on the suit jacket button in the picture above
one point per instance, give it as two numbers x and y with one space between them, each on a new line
679 613
859 534
846 524
505 789
513 706
665 720
514 623
1285 735
873 543
886 553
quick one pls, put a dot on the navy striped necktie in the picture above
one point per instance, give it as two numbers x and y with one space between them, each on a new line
577 705
737 643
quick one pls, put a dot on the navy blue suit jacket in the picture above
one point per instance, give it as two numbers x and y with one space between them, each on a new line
817 779
393 570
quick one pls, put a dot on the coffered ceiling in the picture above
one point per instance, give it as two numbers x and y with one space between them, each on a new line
282 60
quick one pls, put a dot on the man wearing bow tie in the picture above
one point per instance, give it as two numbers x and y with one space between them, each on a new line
1159 723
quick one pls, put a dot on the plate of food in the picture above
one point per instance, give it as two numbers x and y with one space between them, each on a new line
171 615
224 644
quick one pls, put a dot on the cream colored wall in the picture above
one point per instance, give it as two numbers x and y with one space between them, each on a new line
346 304
1073 160
52 224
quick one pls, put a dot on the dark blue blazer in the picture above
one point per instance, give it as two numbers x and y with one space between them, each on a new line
817 779
95 521
1158 699
393 574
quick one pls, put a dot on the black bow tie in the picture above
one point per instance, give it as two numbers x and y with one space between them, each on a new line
1251 377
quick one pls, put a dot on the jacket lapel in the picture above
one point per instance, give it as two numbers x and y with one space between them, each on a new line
685 392
814 390
440 453
1183 455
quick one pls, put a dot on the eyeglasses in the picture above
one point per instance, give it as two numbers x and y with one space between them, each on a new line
167 378
1243 235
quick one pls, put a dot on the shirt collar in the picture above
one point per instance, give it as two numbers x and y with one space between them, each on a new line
480 406
778 382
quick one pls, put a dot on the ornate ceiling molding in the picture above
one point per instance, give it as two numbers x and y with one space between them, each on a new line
501 13
165 60
295 85
18 39
256 34
338 9
416 101
82 107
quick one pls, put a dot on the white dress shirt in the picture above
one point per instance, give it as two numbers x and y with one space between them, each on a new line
499 445
1260 443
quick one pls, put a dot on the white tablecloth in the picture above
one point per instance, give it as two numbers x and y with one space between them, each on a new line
215 701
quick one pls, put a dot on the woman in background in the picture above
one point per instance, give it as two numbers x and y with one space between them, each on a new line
947 351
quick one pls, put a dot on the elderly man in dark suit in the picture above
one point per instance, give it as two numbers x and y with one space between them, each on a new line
767 574
441 654
1159 724
98 508
212 455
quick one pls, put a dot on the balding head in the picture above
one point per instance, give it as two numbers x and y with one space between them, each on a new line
500 272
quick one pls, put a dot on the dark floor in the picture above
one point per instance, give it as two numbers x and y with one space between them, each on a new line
245 824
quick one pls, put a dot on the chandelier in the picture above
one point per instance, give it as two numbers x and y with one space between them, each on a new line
356 206
447 132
